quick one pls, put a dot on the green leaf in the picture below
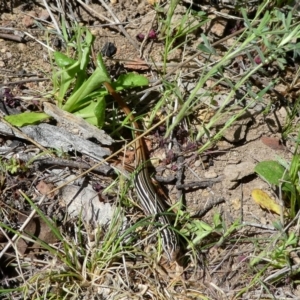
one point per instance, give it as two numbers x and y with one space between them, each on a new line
92 120
205 46
101 65
62 60
217 220
94 112
203 226
88 111
295 166
100 111
264 22
65 76
204 49
64 79
94 82
26 118
130 80
271 171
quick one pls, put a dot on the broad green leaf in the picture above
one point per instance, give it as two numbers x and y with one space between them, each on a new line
62 60
217 220
94 82
92 120
101 65
87 111
271 171
130 80
204 226
64 77
100 111
204 49
206 46
26 118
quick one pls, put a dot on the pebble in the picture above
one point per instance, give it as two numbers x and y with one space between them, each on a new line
210 174
239 171
198 163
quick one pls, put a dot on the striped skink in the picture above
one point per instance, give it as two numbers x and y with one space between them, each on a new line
150 200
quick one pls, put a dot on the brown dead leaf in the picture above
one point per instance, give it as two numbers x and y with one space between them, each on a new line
44 188
136 64
36 228
39 229
130 157
205 114
273 143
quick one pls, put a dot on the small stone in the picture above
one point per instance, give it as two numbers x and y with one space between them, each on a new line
282 112
210 174
27 21
229 185
263 220
236 133
44 15
197 163
21 47
273 142
281 88
239 171
236 203
218 27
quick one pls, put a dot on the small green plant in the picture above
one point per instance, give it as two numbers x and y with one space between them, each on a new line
292 113
13 166
74 261
285 176
195 231
278 256
77 92
269 36
177 35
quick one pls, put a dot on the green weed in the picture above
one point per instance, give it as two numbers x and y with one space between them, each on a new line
75 90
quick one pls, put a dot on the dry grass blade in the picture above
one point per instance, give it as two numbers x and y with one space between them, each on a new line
52 17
